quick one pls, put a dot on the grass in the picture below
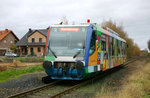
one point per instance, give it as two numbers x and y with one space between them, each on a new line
138 86
14 74
22 59
28 58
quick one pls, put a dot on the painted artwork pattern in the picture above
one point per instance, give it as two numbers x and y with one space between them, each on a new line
107 59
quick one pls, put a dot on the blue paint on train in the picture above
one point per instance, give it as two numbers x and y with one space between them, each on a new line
88 41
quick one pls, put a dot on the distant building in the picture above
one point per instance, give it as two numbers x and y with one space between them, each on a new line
7 39
33 43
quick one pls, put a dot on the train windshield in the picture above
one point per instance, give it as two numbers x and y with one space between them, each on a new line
67 41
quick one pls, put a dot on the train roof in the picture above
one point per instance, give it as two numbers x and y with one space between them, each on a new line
86 25
114 35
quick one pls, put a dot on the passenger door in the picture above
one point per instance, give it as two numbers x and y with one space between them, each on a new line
93 50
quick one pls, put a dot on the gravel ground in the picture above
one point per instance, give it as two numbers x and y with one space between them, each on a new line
25 82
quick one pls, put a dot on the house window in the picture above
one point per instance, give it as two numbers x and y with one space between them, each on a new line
40 40
39 49
32 40
5 41
15 41
22 49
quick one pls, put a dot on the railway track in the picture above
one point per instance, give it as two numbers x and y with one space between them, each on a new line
68 90
28 92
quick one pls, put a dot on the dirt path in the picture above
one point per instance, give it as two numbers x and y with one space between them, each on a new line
16 65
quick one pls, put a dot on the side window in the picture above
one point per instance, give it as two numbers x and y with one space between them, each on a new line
103 45
110 47
121 48
40 40
113 46
118 47
124 48
116 42
32 39
39 49
92 44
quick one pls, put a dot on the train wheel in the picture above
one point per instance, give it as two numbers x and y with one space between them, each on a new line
46 79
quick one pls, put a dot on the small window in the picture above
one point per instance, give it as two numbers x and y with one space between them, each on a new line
32 39
11 41
15 41
5 41
39 49
22 49
40 40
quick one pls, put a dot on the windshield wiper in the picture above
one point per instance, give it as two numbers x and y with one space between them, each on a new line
79 50
77 54
51 50
53 53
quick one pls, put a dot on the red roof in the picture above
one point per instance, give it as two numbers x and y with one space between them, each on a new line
5 32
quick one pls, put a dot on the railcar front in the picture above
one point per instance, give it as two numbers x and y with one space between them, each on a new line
66 52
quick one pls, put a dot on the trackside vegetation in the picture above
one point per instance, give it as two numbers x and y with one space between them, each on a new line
138 85
132 49
14 74
22 59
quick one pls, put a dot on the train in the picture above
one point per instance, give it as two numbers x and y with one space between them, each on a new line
78 52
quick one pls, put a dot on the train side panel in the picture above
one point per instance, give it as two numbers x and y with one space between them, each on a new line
109 52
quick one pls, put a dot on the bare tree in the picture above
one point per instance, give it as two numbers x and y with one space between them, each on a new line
148 45
73 23
64 20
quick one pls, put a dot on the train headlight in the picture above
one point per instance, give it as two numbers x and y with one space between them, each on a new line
79 65
47 64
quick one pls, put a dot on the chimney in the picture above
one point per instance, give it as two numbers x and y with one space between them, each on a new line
6 30
30 30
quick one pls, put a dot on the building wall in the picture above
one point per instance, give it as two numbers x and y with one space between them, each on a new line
7 42
35 50
36 37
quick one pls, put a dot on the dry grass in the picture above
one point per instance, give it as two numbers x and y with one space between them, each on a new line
16 65
138 86
3 68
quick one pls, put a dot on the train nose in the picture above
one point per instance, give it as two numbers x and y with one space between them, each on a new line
67 69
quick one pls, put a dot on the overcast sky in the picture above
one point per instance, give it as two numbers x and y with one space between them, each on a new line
20 15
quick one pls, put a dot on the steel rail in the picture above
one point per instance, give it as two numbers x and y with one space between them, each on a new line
28 92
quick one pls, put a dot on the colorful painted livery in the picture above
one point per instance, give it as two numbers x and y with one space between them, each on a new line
76 52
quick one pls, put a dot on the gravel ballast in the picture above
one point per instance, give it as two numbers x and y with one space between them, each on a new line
25 82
